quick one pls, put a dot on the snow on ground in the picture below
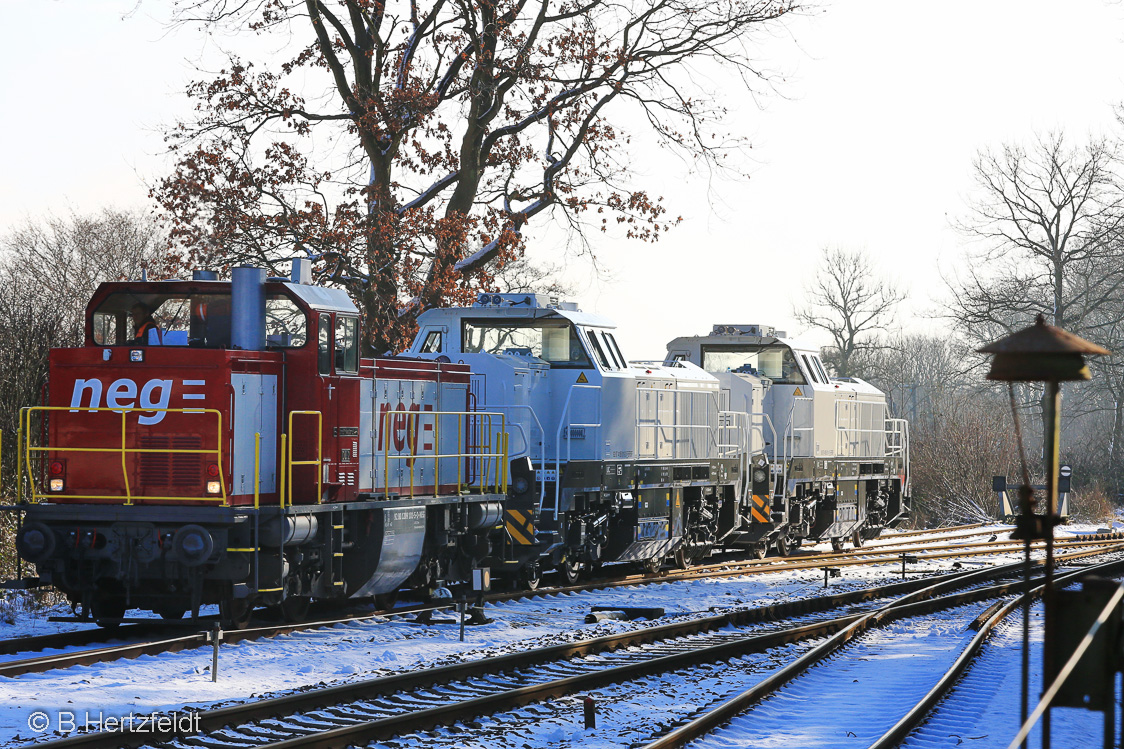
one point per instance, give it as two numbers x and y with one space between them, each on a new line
889 667
378 647
983 710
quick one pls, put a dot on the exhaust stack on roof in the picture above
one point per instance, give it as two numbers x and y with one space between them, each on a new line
247 319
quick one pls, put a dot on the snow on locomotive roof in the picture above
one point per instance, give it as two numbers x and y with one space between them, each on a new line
747 334
521 305
324 298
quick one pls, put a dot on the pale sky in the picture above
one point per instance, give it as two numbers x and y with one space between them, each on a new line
884 105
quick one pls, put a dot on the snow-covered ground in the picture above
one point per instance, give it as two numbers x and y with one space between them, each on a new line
364 650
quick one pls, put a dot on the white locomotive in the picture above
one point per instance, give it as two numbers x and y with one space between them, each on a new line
829 463
622 461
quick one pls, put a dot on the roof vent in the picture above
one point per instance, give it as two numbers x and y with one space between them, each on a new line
204 275
760 331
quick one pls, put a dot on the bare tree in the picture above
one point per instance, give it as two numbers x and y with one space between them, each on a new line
403 146
917 372
48 271
968 439
849 300
57 262
520 275
1050 220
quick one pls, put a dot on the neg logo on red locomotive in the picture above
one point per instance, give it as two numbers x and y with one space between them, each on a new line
124 393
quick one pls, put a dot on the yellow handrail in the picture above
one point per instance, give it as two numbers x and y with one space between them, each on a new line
19 461
500 457
257 468
24 450
319 454
284 469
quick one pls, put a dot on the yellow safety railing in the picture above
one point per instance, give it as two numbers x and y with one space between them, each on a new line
485 420
289 462
25 449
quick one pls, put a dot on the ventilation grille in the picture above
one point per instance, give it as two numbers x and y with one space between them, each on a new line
171 469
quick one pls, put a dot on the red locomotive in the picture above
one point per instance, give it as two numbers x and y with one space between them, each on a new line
224 442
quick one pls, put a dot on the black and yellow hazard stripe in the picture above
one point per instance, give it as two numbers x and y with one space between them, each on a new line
759 509
520 526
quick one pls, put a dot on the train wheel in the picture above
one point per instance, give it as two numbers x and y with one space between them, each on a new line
530 578
783 547
235 612
759 551
683 559
857 540
837 544
295 608
386 601
104 610
570 570
652 566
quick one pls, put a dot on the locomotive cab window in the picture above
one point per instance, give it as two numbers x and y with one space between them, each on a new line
598 350
432 343
286 325
149 319
812 371
776 362
347 344
613 347
555 342
818 365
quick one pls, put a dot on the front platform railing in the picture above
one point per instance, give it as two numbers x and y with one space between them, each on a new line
25 449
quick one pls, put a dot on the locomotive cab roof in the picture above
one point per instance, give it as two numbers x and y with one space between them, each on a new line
198 312
757 350
530 326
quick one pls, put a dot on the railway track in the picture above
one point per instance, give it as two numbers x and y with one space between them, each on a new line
966 526
417 700
860 557
732 714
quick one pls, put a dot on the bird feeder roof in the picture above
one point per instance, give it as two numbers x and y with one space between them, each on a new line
1041 338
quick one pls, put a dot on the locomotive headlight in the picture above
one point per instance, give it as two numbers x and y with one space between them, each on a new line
214 487
761 461
56 469
520 485
758 475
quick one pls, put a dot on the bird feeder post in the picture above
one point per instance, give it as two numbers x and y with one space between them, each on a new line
1042 353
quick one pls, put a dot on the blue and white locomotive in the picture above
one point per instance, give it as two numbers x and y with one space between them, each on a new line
738 439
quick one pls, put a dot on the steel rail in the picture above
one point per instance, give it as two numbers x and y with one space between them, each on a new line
941 530
303 701
33 643
199 639
917 714
386 727
733 707
318 699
